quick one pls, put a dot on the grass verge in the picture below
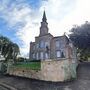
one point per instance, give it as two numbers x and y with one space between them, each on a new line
29 65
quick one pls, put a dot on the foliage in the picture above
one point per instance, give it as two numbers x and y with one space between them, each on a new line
3 68
20 59
80 35
30 65
8 49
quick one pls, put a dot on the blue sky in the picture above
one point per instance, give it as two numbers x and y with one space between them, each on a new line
20 19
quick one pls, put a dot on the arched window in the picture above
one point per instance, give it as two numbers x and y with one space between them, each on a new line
46 55
37 56
58 54
33 55
41 44
46 44
37 45
62 55
41 55
57 43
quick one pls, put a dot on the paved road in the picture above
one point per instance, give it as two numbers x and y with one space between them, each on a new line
81 83
3 88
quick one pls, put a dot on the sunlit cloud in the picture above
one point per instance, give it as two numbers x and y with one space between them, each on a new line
61 16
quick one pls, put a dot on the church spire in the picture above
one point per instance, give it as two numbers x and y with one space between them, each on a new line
44 25
44 19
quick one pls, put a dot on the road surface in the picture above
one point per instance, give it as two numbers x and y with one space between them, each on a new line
81 83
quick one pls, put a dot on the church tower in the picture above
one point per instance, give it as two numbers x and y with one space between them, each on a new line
44 25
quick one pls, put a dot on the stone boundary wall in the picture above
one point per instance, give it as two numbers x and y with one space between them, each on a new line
51 70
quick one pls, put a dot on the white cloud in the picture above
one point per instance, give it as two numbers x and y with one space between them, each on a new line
20 13
27 34
15 13
61 16
57 12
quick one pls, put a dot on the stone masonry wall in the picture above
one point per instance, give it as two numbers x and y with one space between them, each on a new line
60 70
51 70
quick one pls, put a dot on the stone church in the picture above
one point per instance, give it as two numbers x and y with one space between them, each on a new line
46 46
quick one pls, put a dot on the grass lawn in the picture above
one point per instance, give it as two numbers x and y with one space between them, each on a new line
29 65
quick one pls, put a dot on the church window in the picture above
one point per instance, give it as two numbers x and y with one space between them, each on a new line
34 47
33 55
46 44
37 45
46 56
41 44
58 53
41 55
37 56
62 55
57 43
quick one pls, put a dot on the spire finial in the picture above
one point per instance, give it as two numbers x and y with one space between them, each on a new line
44 19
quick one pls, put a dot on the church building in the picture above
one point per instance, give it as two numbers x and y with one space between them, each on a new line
46 46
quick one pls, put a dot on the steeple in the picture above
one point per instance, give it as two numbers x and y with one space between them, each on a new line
44 25
44 19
